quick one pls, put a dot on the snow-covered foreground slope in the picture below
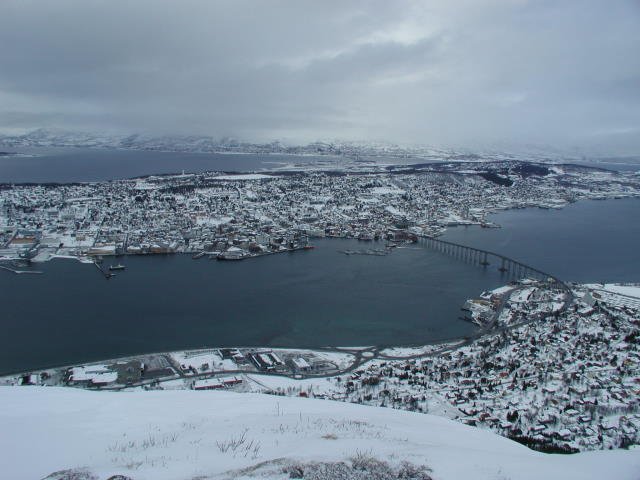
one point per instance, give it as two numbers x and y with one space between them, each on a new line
182 435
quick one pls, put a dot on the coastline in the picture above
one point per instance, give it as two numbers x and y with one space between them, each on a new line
288 345
488 327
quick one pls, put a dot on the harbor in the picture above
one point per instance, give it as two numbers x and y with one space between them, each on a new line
279 300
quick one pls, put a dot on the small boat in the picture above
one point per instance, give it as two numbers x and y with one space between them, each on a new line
117 267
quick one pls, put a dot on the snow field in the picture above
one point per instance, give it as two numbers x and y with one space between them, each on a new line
183 434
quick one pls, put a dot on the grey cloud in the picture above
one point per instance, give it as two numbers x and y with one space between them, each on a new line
459 73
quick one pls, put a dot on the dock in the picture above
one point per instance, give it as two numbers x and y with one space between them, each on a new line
262 254
18 272
375 252
106 275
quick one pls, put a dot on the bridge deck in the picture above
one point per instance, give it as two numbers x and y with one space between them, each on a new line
507 263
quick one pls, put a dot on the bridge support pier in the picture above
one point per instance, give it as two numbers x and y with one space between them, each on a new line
512 268
502 266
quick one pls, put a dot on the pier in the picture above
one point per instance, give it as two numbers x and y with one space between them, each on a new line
13 270
106 275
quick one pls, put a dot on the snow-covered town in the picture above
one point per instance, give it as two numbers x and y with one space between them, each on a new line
570 379
312 240
557 369
237 216
552 365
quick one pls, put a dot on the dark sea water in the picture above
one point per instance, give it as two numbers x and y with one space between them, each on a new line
588 241
305 299
71 314
65 165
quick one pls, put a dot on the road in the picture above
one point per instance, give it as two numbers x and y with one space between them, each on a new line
362 355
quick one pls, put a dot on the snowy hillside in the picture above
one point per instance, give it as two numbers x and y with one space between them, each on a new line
187 434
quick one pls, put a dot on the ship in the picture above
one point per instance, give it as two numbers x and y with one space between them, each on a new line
117 267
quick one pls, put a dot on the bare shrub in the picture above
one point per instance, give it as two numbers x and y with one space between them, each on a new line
409 471
72 474
240 445
294 471
362 466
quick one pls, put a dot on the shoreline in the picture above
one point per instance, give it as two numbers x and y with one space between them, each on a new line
490 327
435 342
336 349
444 229
475 381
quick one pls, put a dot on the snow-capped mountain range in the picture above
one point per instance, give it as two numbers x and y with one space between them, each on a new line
208 144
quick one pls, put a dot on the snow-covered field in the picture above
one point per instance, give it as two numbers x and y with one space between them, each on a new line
628 290
248 176
186 434
408 351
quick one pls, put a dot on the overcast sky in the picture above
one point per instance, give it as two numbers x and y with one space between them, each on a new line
444 72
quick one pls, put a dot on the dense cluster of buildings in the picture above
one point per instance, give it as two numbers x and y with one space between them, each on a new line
565 380
236 216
